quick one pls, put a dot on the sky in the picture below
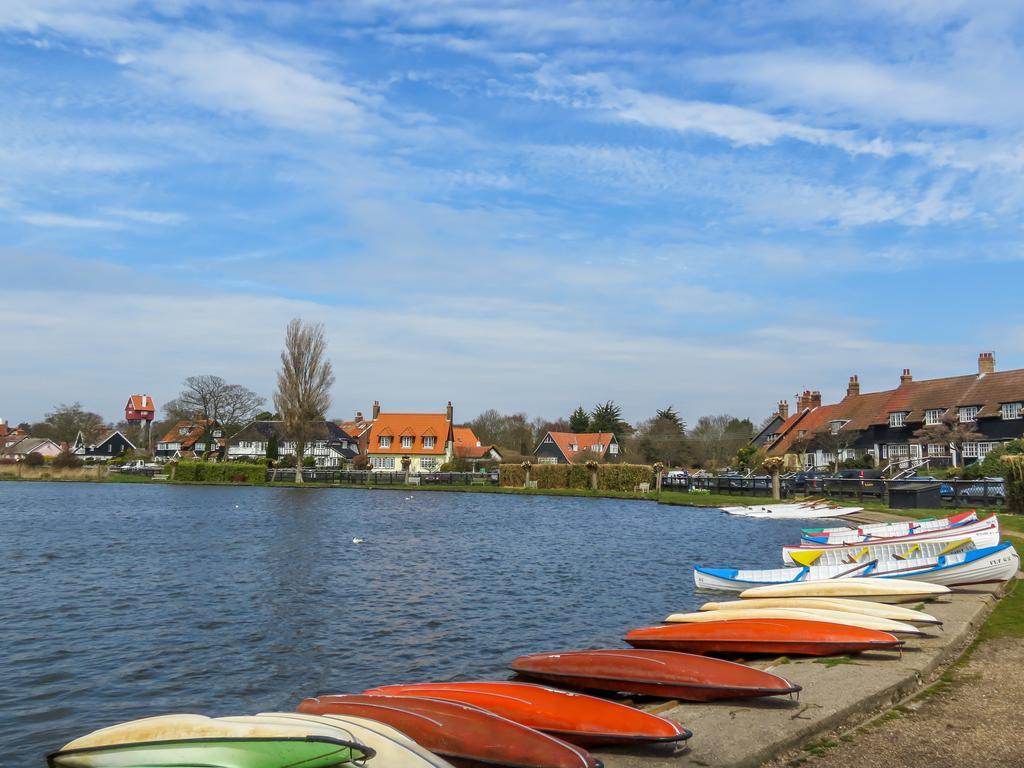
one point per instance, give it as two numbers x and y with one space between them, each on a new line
519 205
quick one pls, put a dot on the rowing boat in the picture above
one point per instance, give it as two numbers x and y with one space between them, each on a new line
900 550
984 533
664 674
864 588
981 566
865 607
575 717
463 734
810 614
173 741
887 530
792 511
773 637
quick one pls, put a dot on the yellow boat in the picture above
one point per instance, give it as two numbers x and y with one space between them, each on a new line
863 607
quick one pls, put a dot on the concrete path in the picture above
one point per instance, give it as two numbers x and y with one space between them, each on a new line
737 734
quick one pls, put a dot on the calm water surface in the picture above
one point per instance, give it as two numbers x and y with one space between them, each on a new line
121 601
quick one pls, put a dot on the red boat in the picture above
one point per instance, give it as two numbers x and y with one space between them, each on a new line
575 717
460 733
667 674
773 637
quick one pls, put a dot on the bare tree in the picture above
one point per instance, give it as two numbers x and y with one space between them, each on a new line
64 422
950 431
303 385
213 399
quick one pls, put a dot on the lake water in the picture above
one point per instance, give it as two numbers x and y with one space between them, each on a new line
122 601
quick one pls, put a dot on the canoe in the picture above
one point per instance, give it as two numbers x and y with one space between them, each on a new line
194 740
865 607
793 511
774 637
392 747
981 566
984 533
809 614
461 733
904 550
888 530
865 588
575 717
665 674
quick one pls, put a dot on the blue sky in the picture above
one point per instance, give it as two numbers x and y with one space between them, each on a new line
514 205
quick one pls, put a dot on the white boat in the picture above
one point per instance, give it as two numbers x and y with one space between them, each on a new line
865 607
982 566
886 530
885 591
792 511
846 618
984 533
903 549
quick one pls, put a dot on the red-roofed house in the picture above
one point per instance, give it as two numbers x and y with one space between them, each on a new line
139 409
469 447
577 448
190 438
413 442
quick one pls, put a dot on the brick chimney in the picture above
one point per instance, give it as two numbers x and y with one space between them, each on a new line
853 388
784 409
806 400
986 363
376 410
905 377
815 399
449 412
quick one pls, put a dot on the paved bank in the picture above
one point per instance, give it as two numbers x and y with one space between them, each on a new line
745 735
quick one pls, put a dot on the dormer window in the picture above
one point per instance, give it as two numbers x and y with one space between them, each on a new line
573 447
967 413
429 441
1011 411
836 425
407 441
217 433
898 419
933 416
183 431
597 447
384 441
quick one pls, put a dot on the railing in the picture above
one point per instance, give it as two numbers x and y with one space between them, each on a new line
756 485
365 477
953 493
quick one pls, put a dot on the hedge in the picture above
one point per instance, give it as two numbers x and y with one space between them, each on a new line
1014 483
220 472
610 477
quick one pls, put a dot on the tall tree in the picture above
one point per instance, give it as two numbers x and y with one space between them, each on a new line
716 439
64 422
669 415
303 385
607 417
663 439
579 420
211 398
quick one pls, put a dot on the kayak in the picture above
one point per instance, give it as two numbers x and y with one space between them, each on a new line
865 588
774 637
981 566
886 530
461 733
174 741
664 674
809 614
575 717
858 553
865 607
984 532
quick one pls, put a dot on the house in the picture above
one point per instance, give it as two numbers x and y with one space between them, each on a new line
9 435
772 426
109 444
190 438
331 447
139 409
414 442
468 447
887 424
19 448
577 448
359 427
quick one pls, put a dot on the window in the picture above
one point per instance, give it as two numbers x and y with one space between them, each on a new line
382 462
597 447
897 418
428 463
407 441
801 433
547 460
183 431
933 416
1012 411
835 426
549 439
385 442
899 451
977 450
613 448
968 413
429 441
573 447
937 449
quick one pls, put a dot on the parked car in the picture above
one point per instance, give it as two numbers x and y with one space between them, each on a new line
860 474
801 481
988 488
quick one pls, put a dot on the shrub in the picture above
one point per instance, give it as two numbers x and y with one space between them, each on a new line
511 476
610 477
1013 471
34 460
623 477
227 472
66 459
286 462
308 462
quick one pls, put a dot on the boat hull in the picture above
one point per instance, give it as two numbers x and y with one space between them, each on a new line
809 614
900 549
875 590
663 674
865 607
771 637
792 511
574 717
464 734
887 530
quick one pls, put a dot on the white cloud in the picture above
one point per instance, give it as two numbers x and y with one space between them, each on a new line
167 218
70 222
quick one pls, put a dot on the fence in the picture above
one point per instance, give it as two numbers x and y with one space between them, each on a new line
760 485
365 477
954 493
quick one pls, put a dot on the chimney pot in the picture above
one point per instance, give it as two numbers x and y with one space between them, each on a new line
853 388
784 409
906 378
376 410
449 411
815 399
986 363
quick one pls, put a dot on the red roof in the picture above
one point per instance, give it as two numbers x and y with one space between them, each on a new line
414 425
580 445
140 403
195 427
468 445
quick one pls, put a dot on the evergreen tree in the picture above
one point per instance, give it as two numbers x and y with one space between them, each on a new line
579 420
669 414
272 450
608 418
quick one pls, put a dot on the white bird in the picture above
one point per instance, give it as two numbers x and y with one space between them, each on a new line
357 540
